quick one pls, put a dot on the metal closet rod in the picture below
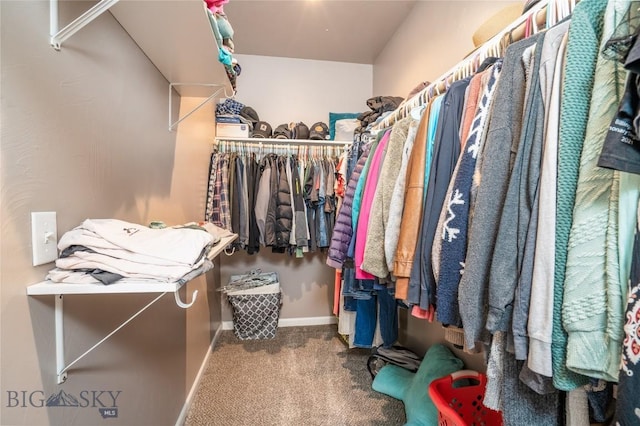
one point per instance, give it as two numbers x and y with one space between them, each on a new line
537 16
263 142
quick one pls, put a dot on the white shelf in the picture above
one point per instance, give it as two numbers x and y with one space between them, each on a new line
59 290
125 286
177 37
219 248
269 141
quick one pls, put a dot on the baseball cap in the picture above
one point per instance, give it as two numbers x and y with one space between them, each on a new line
299 130
319 131
282 132
250 114
262 129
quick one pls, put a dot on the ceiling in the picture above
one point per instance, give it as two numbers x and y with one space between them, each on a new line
345 31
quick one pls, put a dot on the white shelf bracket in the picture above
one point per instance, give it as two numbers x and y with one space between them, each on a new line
213 96
57 37
61 369
182 304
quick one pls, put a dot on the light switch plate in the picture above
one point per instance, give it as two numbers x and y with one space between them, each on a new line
44 237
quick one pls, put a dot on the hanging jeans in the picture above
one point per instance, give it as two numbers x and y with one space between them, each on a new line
348 289
380 308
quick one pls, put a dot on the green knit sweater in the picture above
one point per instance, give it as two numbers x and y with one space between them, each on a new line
582 51
593 305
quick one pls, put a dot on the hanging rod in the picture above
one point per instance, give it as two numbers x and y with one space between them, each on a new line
473 60
57 37
271 141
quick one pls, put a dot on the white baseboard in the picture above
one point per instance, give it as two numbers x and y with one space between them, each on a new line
187 403
293 322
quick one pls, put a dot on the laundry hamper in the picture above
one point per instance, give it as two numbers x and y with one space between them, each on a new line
255 299
459 400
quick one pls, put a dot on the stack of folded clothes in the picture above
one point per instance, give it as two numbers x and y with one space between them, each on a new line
109 250
232 111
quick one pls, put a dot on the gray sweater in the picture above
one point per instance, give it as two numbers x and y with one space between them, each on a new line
492 174
520 204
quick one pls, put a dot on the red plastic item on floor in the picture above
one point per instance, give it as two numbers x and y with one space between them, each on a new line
461 404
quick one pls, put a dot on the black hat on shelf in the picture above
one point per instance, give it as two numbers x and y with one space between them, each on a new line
250 114
262 129
282 132
319 131
299 130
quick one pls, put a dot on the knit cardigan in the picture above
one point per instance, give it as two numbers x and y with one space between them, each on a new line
374 260
491 177
452 236
593 305
540 322
582 51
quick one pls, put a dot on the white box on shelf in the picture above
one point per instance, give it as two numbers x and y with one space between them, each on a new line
232 130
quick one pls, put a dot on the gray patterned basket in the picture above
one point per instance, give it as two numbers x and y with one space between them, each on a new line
256 310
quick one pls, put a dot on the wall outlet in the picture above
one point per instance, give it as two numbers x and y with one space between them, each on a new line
44 237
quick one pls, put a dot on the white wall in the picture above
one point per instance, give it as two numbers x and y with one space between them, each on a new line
434 37
283 90
84 133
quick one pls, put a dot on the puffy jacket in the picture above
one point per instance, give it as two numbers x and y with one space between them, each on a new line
412 212
284 210
343 230
271 161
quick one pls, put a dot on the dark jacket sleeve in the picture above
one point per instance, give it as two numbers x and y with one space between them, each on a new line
270 222
284 211
298 205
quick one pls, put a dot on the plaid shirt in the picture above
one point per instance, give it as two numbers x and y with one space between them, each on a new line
225 209
213 166
229 106
220 214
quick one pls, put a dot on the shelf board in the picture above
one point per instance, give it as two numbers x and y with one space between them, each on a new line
269 141
219 248
177 37
122 287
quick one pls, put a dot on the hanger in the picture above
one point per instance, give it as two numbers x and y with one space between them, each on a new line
534 21
432 88
552 13
416 112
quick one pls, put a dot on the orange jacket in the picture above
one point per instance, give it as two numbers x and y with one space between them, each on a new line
412 212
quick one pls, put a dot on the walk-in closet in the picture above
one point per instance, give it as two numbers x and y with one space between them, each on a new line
320 212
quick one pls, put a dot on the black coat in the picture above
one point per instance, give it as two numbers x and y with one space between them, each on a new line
284 211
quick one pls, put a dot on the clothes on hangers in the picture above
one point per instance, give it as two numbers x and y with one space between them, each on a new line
508 228
280 200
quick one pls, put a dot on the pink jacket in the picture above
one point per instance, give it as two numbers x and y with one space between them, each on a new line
365 206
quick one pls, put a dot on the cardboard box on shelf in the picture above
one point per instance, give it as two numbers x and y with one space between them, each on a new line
232 130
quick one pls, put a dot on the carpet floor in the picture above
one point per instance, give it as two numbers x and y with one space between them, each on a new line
305 376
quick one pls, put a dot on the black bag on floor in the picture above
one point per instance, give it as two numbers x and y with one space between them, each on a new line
396 355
